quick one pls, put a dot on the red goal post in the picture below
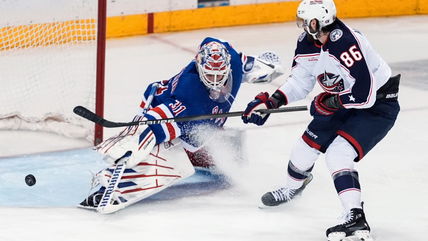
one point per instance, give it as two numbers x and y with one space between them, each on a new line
52 58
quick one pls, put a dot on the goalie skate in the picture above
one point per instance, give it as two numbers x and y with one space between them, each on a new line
103 195
92 201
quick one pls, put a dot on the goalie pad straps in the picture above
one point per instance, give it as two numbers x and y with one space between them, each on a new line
131 143
146 142
105 146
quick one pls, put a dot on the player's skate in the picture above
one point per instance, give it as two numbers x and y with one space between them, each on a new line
284 194
355 228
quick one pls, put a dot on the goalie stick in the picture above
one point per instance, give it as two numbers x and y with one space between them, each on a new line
89 115
105 205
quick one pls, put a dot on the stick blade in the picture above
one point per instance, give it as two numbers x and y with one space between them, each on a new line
87 114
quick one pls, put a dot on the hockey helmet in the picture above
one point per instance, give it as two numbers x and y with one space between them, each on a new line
324 11
213 64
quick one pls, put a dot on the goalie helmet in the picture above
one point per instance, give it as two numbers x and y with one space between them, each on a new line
324 11
213 64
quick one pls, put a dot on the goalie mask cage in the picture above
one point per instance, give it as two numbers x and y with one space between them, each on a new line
51 60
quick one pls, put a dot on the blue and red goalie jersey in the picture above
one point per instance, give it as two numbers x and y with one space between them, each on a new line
186 95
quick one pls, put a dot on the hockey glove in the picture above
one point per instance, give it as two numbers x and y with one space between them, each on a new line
262 69
261 101
134 143
325 104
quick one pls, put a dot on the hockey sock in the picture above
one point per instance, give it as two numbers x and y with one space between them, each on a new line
348 188
296 177
301 162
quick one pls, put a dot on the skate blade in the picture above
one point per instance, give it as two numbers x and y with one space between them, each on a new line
336 236
111 208
362 235
262 206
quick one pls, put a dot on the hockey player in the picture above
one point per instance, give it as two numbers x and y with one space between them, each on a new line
207 85
356 110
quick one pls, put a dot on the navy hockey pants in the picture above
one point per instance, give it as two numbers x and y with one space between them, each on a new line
362 128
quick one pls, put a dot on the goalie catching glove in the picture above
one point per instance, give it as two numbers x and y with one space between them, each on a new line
135 141
261 69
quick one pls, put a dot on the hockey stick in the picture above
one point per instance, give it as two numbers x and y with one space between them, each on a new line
105 205
89 115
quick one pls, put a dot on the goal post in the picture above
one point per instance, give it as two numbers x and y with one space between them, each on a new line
52 58
100 77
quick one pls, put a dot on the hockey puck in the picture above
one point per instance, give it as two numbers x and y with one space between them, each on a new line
30 180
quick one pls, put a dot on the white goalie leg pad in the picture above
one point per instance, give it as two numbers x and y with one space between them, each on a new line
109 196
161 169
137 140
102 177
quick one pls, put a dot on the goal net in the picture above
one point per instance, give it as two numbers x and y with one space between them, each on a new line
48 65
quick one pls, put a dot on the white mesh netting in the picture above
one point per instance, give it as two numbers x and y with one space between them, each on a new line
47 65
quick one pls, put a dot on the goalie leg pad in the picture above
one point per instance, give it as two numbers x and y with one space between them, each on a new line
160 170
136 141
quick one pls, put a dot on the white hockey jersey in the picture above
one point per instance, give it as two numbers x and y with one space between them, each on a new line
346 65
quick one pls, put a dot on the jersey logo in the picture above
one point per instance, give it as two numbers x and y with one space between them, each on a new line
336 35
331 82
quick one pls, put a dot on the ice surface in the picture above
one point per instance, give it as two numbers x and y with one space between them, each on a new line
393 175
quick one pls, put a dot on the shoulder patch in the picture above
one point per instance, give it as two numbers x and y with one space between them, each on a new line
302 36
336 35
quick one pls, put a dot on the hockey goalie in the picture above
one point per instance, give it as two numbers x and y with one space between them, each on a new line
144 160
